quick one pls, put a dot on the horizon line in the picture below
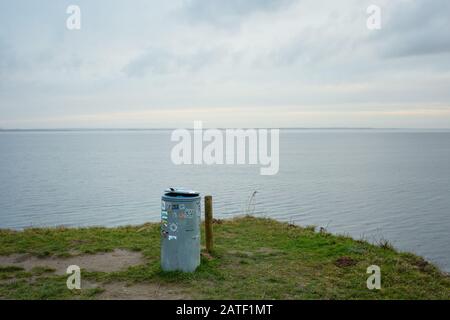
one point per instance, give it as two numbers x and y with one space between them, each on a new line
219 128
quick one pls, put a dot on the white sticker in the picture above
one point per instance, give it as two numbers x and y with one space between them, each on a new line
173 227
172 237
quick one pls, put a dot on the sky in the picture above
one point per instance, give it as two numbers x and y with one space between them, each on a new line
234 63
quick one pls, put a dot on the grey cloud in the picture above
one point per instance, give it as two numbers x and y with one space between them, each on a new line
8 60
224 12
425 43
163 61
415 29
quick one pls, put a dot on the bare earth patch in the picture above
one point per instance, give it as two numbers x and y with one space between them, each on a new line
141 291
345 262
105 261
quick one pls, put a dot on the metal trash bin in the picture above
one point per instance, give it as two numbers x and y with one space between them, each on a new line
180 230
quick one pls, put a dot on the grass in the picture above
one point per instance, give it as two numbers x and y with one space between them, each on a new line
254 258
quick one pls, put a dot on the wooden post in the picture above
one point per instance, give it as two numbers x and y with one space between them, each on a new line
208 224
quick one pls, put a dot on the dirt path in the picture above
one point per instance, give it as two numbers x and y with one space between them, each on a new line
104 262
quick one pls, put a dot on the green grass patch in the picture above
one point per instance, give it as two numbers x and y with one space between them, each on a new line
253 258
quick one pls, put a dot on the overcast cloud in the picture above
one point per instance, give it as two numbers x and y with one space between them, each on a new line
237 63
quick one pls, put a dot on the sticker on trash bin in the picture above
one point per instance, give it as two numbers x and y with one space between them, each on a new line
172 237
163 205
181 215
173 227
182 207
165 234
175 207
189 213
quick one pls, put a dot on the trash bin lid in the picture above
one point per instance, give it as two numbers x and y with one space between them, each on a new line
180 193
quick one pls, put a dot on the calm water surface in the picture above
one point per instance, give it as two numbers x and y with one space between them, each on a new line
366 183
